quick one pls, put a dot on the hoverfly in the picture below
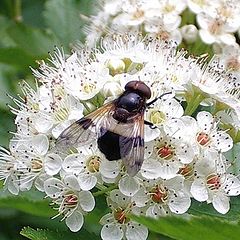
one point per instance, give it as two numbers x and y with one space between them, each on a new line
118 127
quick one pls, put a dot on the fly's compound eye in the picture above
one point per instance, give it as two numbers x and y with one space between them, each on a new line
139 87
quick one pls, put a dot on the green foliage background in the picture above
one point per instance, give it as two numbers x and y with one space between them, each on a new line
29 29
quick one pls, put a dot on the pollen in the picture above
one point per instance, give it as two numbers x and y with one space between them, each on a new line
157 117
186 171
213 182
233 64
138 14
36 165
88 87
166 152
121 216
93 164
203 138
159 194
71 200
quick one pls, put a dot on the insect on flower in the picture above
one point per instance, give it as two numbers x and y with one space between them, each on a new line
118 127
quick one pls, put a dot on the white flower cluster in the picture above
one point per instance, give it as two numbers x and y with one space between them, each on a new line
184 155
217 20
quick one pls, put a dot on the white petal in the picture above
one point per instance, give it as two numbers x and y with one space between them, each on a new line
221 203
86 201
53 186
222 141
155 211
42 124
87 181
206 36
40 144
232 185
205 121
168 169
136 231
150 134
73 163
72 182
150 169
140 198
128 185
12 187
106 219
39 182
109 169
185 153
111 232
179 202
75 221
117 197
52 164
199 190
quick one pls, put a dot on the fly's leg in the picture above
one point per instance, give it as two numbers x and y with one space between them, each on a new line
154 100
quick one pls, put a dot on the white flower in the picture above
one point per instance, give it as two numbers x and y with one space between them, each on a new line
205 134
87 166
215 29
213 186
117 224
169 152
163 197
70 200
9 165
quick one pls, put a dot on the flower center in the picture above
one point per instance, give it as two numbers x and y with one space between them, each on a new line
203 138
159 194
36 165
89 87
163 35
138 14
121 216
157 117
61 114
165 151
93 164
213 182
169 8
174 78
215 27
201 3
70 200
233 64
186 171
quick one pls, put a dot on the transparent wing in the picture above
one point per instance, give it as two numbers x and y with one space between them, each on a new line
132 145
85 129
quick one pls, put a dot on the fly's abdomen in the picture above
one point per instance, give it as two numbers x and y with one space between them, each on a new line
108 144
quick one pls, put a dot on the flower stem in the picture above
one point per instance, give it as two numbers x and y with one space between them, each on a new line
104 190
193 103
18 10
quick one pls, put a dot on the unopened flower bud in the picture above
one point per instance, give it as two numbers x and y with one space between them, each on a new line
111 89
189 33
116 66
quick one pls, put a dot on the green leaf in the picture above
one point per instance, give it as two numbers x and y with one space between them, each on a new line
34 41
200 209
44 234
63 18
192 227
5 40
24 204
17 57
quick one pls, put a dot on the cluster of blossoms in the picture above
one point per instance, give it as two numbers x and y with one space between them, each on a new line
217 20
184 156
